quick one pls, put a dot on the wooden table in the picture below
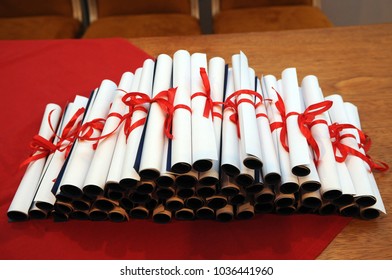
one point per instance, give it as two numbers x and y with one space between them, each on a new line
354 61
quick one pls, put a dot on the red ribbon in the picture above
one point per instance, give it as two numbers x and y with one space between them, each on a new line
275 125
41 149
335 130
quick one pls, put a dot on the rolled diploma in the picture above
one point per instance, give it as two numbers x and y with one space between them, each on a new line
100 164
230 159
27 188
151 159
203 135
246 111
287 177
129 173
326 167
353 117
217 79
299 155
271 168
83 152
355 165
44 196
181 155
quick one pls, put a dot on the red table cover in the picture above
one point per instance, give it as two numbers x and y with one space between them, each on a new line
34 73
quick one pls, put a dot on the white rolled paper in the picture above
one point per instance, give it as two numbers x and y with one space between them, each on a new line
203 134
151 158
246 113
21 202
94 183
181 155
299 155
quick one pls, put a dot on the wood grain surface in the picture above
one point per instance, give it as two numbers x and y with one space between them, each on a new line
353 61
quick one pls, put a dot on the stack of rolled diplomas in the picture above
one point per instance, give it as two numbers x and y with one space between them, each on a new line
189 138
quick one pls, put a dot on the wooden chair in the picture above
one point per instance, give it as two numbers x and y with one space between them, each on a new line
135 18
231 16
40 19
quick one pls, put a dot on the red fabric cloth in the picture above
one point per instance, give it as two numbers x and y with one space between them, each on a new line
34 73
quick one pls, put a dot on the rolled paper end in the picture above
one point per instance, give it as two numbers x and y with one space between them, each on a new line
369 213
63 207
254 188
272 178
312 202
205 213
245 211
303 209
71 191
174 203
282 201
118 214
181 167
145 187
185 214
351 210
139 212
149 174
96 214
237 199
209 181
186 181
244 180
128 183
126 203
61 197
266 195
60 217
185 192
253 163
161 215
105 204
310 186
165 181
365 200
327 209
202 165
92 190
289 187
300 170
286 210
205 191
115 195
112 186
136 197
216 202
344 199
230 190
263 208
230 170
79 215
194 202
332 194
151 204
38 214
225 214
165 193
43 205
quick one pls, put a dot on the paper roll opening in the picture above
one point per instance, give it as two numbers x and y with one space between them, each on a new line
289 188
202 165
161 215
331 194
272 178
98 215
151 204
165 193
327 209
185 214
225 214
254 188
126 203
285 210
344 199
244 180
174 204
284 201
186 181
311 202
311 186
38 214
365 201
253 163
145 187
245 211
208 181
79 215
370 213
194 202
181 167
149 174
61 197
139 212
92 190
239 198
128 183
59 217
71 191
266 196
104 204
230 190
205 213
114 187
136 197
44 205
205 191
81 205
165 181
216 202
349 210
300 170
185 192
302 209
63 207
117 217
264 207
230 170
115 195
